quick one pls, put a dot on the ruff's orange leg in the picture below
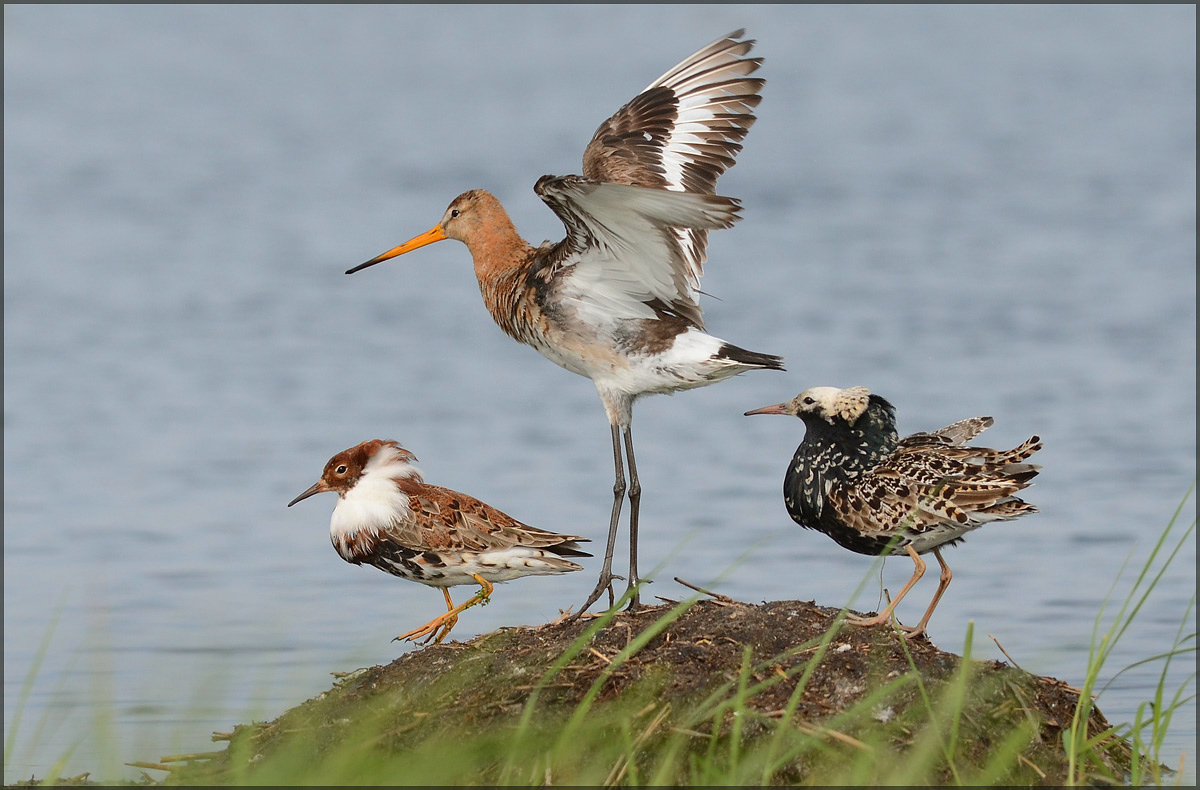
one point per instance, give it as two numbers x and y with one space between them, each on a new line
441 625
446 621
886 614
943 583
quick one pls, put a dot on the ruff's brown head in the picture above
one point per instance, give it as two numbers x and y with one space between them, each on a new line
345 469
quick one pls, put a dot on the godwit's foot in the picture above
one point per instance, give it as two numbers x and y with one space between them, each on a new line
605 584
632 591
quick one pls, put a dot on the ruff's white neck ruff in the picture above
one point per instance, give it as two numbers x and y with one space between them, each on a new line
375 500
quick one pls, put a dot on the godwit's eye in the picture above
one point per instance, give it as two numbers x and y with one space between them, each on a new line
454 213
341 470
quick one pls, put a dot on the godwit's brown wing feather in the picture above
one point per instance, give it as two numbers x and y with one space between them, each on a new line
682 132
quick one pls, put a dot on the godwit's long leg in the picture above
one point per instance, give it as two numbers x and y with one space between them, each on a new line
635 498
606 574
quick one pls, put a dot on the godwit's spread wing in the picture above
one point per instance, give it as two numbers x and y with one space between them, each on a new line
680 134
684 129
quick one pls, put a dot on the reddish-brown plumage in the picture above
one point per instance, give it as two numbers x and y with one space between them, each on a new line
389 517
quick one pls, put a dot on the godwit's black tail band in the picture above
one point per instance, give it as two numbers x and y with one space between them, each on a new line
753 358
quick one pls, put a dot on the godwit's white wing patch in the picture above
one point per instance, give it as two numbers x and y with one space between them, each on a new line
624 257
714 100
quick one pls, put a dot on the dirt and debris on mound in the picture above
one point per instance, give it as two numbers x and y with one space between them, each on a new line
676 685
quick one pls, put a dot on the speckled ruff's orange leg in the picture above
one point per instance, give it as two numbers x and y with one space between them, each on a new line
437 628
944 582
886 614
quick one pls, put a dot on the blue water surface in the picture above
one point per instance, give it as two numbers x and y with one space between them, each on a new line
970 210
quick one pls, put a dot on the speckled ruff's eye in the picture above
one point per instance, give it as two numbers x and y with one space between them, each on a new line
341 470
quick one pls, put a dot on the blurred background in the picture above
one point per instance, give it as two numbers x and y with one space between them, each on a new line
979 210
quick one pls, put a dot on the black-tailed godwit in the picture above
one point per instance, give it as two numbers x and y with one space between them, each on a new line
617 300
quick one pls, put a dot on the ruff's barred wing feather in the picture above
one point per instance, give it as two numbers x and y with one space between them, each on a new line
955 433
447 520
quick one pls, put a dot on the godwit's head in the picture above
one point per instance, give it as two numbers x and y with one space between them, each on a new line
472 215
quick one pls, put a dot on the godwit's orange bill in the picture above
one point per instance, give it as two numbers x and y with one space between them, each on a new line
428 237
854 479
389 517
617 300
